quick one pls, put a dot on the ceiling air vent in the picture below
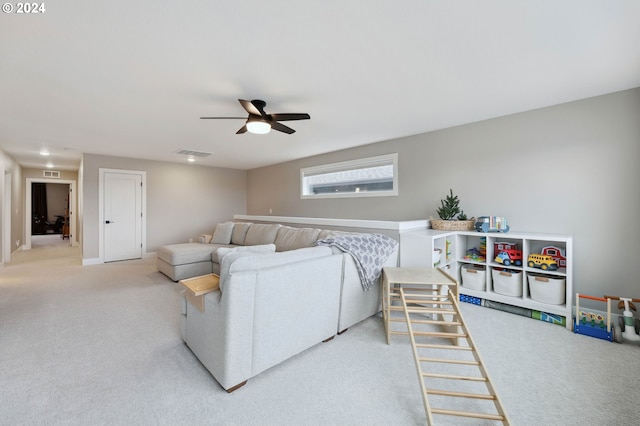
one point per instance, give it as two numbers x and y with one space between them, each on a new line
51 174
193 153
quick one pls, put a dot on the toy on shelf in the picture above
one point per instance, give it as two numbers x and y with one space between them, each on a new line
491 224
557 253
591 324
498 246
475 255
507 257
542 261
628 326
448 249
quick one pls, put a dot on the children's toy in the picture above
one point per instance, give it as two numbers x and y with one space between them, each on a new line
491 224
475 255
498 246
542 261
507 257
591 324
629 330
557 253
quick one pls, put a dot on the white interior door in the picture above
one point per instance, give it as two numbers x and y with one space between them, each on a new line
122 216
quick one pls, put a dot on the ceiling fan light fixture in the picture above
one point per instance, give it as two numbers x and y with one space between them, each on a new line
258 127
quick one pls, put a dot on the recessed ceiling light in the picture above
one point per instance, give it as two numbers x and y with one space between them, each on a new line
44 152
191 159
49 165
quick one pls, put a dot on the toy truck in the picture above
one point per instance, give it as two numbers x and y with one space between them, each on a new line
507 257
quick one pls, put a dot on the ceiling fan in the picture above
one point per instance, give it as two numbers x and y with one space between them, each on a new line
259 121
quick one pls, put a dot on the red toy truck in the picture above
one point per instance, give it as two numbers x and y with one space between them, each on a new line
509 256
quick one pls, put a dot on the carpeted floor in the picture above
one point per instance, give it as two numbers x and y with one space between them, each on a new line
100 345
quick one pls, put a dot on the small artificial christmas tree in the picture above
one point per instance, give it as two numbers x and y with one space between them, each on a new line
450 208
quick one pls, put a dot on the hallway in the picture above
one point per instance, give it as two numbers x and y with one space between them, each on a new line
46 249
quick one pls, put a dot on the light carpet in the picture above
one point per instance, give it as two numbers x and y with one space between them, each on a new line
100 345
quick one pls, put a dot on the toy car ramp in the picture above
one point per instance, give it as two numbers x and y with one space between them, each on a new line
452 376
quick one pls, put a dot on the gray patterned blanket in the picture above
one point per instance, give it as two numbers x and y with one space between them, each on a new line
370 252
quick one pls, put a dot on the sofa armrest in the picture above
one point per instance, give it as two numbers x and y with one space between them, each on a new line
269 307
221 336
355 303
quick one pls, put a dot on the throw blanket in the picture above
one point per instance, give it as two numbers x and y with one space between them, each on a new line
370 252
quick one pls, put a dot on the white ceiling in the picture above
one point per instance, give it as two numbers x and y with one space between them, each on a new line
132 78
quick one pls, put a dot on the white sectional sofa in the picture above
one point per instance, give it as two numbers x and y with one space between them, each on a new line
180 261
272 303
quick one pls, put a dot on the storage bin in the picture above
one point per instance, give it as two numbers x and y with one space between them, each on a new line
547 288
507 282
473 277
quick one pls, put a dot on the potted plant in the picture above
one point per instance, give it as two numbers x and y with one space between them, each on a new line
452 217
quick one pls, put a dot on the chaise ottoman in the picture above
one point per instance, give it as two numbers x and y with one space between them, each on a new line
180 261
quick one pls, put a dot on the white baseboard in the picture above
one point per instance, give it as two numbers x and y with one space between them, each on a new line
98 261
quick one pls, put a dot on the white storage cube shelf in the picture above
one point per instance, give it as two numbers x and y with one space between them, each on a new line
416 250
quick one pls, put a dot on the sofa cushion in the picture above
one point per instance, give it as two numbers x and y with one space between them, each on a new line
227 255
261 233
180 254
249 261
223 251
270 260
214 252
222 234
290 238
239 233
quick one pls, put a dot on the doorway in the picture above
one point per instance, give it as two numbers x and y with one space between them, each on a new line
29 212
50 207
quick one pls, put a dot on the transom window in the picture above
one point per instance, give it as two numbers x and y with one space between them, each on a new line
367 177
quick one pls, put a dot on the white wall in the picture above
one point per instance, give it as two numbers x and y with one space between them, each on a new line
12 171
183 200
569 169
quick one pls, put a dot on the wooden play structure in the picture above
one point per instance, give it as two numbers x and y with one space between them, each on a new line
453 379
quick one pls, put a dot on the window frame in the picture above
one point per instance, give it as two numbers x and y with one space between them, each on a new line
361 163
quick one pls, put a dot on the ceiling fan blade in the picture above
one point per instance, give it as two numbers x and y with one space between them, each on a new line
282 128
289 117
243 129
255 107
223 118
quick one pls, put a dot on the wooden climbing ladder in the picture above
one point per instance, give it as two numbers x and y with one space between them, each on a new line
452 375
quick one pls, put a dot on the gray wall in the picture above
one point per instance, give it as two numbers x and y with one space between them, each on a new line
567 169
183 200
